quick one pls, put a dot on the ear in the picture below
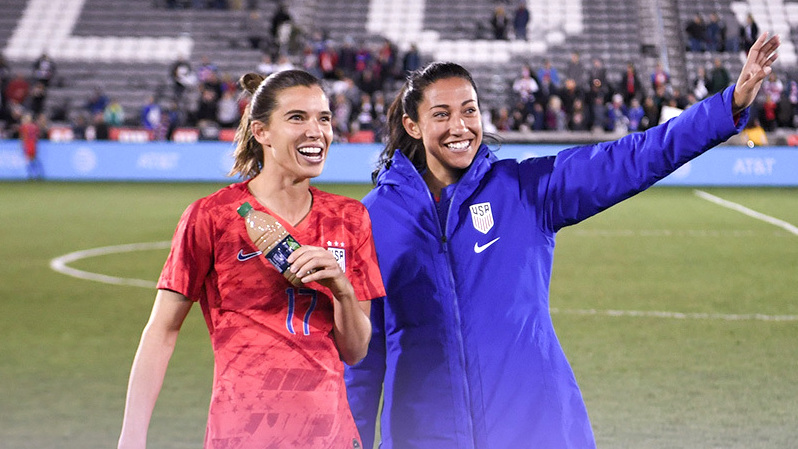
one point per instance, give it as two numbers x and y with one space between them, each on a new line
411 127
260 132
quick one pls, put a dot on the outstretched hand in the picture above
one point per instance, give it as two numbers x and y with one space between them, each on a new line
757 67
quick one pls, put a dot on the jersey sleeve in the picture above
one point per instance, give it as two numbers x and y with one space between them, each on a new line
190 258
365 277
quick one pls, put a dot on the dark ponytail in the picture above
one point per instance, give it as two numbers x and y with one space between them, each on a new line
406 102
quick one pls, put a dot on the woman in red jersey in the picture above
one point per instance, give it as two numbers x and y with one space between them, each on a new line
278 376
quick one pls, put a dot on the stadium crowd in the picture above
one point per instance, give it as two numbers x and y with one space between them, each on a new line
360 76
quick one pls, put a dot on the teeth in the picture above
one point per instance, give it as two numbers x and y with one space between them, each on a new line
458 145
310 151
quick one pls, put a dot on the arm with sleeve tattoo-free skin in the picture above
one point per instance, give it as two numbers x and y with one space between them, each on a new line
149 366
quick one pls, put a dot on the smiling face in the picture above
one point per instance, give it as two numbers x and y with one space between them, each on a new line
450 127
296 140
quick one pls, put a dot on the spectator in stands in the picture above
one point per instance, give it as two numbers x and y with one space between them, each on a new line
580 117
114 113
208 107
17 90
597 77
44 69
342 114
227 110
773 87
98 129
367 81
501 119
150 114
328 61
79 123
749 31
280 20
716 33
571 92
696 34
769 114
386 61
521 20
411 61
634 115
719 77
575 70
630 86
97 102
617 121
652 113
549 76
207 70
555 116
346 57
792 98
700 83
364 113
526 86
660 77
499 22
598 114
183 77
37 98
380 115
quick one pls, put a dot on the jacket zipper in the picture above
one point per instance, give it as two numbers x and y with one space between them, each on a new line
458 321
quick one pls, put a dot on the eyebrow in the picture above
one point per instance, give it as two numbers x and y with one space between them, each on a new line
446 105
302 112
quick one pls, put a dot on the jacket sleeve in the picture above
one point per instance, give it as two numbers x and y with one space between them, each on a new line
364 380
583 181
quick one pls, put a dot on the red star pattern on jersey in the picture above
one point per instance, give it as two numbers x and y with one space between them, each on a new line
278 380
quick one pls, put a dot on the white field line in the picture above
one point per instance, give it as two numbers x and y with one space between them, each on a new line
59 264
677 315
792 229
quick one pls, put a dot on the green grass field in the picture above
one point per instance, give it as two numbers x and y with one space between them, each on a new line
679 316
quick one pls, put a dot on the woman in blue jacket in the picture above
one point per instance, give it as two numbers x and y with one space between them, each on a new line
463 344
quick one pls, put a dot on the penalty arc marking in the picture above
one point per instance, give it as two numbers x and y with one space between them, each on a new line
59 264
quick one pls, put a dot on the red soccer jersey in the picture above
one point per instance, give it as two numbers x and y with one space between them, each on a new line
278 379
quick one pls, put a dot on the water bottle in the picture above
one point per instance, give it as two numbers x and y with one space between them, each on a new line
272 239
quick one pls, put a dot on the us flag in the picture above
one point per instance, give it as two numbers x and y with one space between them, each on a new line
482 217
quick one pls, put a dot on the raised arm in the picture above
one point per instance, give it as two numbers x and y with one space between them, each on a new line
149 366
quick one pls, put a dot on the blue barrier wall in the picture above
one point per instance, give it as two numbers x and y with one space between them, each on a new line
348 163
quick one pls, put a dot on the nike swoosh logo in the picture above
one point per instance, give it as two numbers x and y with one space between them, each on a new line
244 257
478 249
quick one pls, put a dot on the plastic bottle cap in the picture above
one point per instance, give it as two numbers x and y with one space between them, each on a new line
244 209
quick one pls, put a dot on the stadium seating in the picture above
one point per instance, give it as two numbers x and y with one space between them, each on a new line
127 46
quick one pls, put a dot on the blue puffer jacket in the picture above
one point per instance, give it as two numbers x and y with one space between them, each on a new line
463 344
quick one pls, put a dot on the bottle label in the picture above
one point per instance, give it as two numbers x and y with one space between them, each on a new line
279 254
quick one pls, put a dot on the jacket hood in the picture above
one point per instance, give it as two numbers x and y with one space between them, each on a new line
400 171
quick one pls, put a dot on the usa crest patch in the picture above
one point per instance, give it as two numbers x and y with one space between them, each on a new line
337 250
482 217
